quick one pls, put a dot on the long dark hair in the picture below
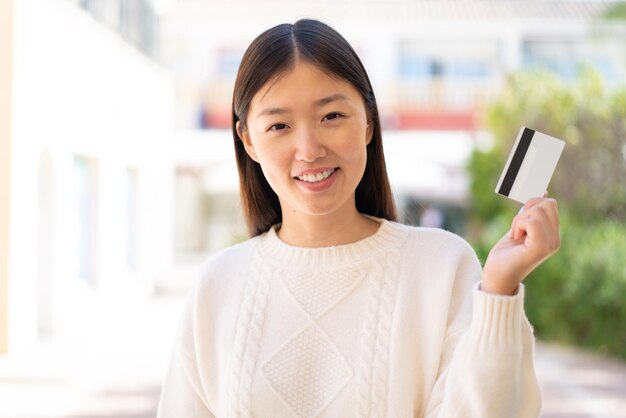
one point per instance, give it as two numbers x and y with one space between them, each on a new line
272 53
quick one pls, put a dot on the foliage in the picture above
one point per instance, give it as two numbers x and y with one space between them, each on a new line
578 296
590 118
617 11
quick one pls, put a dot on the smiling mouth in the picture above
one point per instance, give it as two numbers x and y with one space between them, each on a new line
317 177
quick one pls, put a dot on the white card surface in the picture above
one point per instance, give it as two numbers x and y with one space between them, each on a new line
530 166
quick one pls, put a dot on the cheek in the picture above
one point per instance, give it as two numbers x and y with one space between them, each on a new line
274 163
353 149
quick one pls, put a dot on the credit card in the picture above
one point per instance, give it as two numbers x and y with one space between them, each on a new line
530 166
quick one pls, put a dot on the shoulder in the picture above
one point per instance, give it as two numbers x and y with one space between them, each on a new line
226 258
441 260
436 249
226 269
434 240
214 298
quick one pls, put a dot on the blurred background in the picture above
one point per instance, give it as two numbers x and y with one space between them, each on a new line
117 174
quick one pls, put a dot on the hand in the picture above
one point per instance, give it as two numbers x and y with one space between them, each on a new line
533 237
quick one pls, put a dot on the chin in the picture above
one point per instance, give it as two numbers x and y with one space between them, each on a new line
321 209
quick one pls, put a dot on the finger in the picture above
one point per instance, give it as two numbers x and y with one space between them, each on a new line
522 226
529 204
550 210
520 229
517 228
532 202
514 222
541 237
546 209
550 207
519 212
515 233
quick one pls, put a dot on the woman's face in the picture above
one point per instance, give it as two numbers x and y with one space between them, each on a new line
309 133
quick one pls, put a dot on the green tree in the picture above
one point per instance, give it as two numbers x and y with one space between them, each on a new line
590 178
577 296
616 12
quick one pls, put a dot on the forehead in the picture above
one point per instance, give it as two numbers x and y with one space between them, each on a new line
301 85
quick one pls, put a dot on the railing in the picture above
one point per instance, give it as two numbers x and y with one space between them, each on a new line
445 94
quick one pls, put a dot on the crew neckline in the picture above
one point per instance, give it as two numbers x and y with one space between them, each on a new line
387 235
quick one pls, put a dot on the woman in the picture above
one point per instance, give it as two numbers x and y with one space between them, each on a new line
332 308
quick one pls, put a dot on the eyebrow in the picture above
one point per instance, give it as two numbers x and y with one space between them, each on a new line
318 103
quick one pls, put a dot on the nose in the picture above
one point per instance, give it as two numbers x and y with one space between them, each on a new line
308 146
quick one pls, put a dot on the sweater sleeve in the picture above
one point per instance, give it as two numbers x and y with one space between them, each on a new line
181 392
486 368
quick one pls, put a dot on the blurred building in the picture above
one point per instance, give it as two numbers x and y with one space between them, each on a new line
116 159
136 21
434 64
90 179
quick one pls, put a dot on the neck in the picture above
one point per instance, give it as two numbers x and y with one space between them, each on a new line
338 228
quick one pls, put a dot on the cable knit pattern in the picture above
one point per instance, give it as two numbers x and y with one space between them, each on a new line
248 334
374 361
310 370
393 325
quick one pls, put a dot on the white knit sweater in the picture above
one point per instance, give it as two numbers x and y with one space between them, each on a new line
394 325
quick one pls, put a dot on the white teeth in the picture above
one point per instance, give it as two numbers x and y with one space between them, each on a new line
314 178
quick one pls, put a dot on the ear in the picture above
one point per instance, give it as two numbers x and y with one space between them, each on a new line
244 135
369 132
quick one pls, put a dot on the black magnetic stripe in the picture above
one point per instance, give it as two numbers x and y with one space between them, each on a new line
516 161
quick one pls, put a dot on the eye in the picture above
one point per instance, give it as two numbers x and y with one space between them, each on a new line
332 116
277 127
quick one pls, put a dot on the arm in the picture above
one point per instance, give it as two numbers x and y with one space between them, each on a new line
181 393
486 368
